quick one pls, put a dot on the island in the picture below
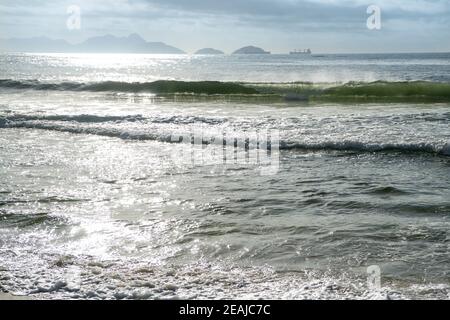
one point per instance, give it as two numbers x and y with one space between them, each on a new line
251 50
208 51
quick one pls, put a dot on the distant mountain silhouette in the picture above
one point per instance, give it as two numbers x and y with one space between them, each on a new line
102 44
209 51
251 50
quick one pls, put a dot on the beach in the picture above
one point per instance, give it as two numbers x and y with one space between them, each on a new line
7 296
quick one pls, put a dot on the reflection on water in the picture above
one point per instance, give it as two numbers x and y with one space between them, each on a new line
93 203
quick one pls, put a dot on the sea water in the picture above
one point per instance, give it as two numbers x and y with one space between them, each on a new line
97 200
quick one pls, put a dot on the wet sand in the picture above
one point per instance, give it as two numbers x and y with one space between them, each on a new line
7 296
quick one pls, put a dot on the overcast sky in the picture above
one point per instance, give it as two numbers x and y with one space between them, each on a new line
276 25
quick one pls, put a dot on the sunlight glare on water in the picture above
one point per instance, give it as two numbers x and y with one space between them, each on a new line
94 193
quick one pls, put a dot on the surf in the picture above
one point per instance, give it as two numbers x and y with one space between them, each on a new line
358 92
70 125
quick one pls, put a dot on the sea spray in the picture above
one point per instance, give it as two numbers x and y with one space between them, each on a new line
362 92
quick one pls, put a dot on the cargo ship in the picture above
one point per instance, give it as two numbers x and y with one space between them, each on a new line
301 52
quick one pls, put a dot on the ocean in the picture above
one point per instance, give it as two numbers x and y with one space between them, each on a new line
141 176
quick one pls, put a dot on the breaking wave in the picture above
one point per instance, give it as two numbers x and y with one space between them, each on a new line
357 146
72 124
380 91
157 87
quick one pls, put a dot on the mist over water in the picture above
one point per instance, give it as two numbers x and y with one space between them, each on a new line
94 202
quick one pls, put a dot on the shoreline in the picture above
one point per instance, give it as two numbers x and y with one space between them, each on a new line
7 296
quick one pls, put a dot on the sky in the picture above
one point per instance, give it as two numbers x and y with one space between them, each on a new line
327 26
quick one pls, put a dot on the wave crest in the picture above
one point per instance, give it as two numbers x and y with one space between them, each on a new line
70 125
157 87
380 91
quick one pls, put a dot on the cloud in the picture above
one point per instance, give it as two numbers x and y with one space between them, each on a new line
272 23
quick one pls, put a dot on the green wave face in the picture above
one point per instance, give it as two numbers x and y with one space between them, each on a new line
362 92
390 91
380 91
175 87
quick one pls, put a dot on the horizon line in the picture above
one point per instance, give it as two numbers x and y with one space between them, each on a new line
270 52
228 54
